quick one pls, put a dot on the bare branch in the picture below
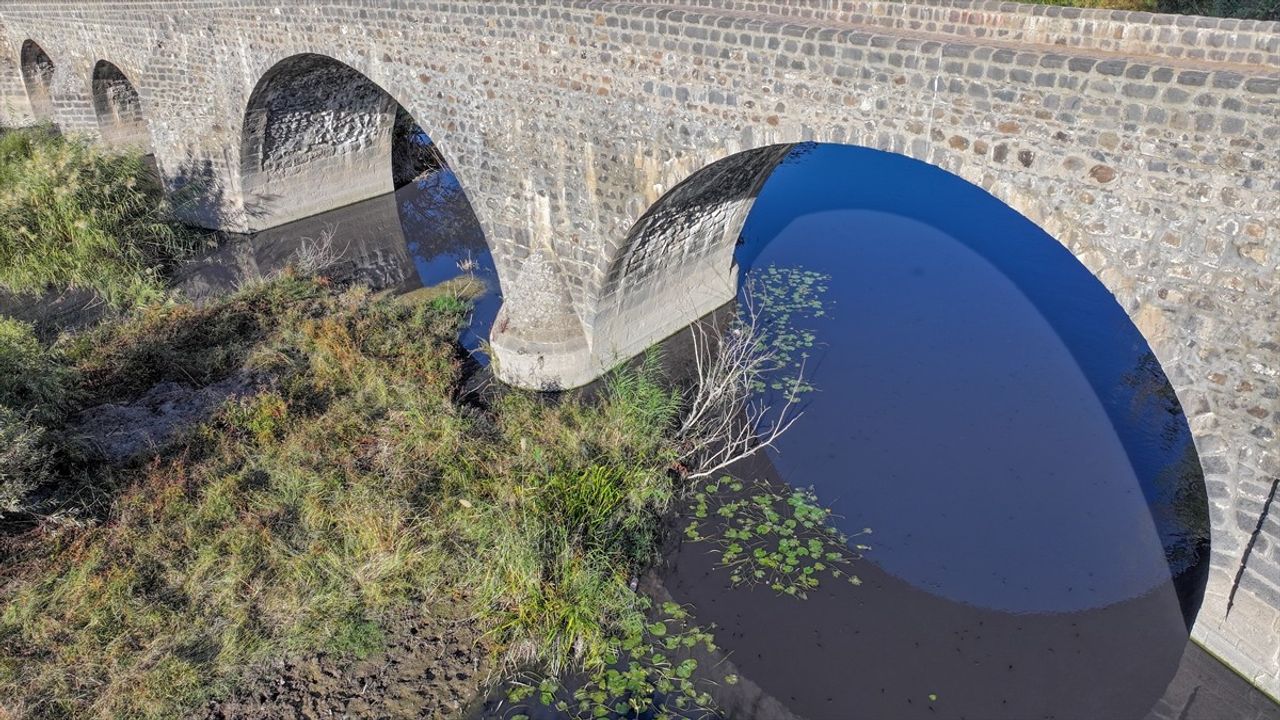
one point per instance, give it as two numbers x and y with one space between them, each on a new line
725 422
315 255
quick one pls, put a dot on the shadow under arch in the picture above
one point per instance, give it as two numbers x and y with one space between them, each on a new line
37 77
118 109
318 134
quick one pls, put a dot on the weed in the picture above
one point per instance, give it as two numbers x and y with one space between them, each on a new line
786 296
34 380
73 215
25 460
649 673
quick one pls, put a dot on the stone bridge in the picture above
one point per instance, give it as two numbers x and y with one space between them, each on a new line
611 151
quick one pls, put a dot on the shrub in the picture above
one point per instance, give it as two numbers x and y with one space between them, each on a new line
34 382
73 215
1245 9
24 460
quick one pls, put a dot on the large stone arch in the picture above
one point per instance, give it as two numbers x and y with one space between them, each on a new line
677 263
122 123
37 77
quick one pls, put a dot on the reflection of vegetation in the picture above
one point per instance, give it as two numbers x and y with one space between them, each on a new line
1184 519
75 215
784 297
781 539
412 151
1153 392
649 674
1176 492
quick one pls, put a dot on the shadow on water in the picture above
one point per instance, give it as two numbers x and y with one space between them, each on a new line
420 235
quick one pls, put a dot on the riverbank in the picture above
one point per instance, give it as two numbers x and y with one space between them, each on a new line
342 480
198 496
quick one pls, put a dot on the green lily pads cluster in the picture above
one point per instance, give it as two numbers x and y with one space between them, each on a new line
784 297
649 673
781 538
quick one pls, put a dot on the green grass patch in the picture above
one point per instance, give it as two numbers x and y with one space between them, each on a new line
74 215
356 483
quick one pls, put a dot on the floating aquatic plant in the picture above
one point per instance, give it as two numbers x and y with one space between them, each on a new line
786 299
650 673
780 538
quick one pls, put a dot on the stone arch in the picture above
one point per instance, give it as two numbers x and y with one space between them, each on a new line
678 263
118 108
37 77
681 248
318 134
674 266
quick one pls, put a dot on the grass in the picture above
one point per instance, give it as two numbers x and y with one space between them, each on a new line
73 215
357 482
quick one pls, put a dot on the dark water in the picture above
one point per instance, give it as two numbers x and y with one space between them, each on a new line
982 404
421 235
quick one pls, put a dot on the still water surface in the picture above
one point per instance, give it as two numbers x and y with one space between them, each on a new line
987 409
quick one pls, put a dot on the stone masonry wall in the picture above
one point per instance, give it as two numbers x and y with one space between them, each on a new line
1148 145
317 135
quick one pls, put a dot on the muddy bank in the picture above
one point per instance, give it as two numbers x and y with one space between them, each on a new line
165 412
431 667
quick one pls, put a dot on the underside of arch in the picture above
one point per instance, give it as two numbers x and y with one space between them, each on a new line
37 77
118 108
681 250
317 135
675 266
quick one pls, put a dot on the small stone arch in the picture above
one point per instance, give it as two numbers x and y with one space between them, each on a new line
318 134
118 108
37 77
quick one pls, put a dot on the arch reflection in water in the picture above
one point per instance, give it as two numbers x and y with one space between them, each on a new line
420 235
983 403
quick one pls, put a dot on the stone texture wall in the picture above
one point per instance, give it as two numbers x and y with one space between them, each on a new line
1148 145
14 106
316 135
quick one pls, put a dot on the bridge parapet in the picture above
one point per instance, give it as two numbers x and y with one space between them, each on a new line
1191 38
